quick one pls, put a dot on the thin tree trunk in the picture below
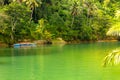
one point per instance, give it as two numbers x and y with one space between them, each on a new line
72 21
32 9
13 23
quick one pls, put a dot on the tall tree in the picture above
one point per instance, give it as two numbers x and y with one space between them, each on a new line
32 4
17 21
74 11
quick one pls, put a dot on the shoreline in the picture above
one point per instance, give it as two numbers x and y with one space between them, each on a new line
107 40
57 42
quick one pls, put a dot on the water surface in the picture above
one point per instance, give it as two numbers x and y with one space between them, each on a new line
58 62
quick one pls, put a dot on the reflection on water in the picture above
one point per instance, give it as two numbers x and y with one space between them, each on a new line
53 62
4 63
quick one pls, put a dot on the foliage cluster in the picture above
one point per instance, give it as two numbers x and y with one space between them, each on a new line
49 19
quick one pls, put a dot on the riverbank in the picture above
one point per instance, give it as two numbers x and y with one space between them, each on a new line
107 40
57 41
3 44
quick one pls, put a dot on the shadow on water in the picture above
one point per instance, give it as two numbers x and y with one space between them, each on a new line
4 63
54 49
9 52
18 52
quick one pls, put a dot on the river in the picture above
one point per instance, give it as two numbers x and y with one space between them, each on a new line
58 62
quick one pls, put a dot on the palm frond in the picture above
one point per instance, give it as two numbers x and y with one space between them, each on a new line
114 30
112 58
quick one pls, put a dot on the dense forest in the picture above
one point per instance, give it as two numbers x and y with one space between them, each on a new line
71 20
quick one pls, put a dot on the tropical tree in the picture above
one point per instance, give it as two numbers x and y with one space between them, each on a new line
114 56
74 11
40 29
15 21
32 4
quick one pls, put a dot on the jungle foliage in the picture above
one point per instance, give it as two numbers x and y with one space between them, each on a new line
85 20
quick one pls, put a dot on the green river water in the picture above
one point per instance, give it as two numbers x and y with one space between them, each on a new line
58 62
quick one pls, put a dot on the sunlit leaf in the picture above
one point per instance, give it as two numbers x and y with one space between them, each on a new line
112 58
114 30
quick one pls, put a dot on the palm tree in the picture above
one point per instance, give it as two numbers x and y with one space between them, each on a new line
91 9
74 11
114 30
114 56
32 4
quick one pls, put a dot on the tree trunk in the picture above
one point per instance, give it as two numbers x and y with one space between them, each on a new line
72 21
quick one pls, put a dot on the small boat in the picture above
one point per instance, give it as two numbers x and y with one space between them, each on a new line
19 45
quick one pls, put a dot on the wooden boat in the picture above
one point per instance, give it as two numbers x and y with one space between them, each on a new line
19 45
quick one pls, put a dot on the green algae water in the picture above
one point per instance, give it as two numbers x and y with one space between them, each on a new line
58 62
